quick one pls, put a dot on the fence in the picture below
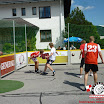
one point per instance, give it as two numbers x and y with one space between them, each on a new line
18 41
15 38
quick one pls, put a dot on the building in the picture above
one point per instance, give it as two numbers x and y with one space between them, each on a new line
48 15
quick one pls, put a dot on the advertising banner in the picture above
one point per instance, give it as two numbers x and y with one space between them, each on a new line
7 64
20 60
61 57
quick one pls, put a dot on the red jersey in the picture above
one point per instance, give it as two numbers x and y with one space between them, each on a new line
35 54
82 48
92 53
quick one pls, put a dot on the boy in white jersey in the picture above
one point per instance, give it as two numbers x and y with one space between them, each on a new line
51 59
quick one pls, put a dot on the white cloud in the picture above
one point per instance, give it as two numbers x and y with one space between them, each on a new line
89 7
72 1
84 8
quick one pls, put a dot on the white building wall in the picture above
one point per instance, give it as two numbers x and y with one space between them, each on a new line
52 23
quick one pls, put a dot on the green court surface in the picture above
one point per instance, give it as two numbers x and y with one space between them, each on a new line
10 85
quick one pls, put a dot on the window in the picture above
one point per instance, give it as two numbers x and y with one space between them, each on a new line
23 11
33 10
45 36
44 12
14 12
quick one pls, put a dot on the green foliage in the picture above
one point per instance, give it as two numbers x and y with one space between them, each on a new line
80 27
100 30
8 48
31 38
77 17
7 41
101 42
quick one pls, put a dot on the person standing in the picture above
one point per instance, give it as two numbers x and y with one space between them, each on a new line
51 59
91 55
82 57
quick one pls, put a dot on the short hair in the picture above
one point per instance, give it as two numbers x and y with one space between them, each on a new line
83 42
41 51
51 44
92 38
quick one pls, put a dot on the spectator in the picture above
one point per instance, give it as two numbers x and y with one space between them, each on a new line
65 48
72 47
59 48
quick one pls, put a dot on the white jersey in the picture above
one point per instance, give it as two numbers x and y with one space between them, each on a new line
53 57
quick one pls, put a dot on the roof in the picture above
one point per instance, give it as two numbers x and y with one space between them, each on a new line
20 1
19 22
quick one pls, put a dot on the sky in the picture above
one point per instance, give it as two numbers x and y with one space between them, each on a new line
92 9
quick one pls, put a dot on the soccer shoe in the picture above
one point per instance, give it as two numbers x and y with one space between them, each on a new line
80 76
53 73
44 73
84 88
91 74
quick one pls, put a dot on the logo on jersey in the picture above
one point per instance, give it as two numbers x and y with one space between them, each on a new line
92 48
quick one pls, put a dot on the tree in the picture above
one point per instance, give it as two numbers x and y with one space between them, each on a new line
77 17
80 27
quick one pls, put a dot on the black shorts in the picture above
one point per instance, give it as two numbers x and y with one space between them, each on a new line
82 63
50 61
93 67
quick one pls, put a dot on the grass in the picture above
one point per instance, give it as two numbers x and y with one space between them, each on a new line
10 85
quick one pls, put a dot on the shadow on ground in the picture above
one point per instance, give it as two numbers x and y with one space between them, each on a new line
74 84
72 74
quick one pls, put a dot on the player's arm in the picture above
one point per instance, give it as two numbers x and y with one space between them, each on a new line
49 55
56 52
85 55
85 51
80 53
100 54
30 58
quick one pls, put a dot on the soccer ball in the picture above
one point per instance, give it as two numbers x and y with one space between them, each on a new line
73 54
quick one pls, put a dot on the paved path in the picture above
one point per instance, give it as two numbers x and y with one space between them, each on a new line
63 88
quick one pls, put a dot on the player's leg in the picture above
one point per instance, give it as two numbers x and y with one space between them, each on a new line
45 68
95 77
95 69
36 65
85 78
87 69
81 67
48 65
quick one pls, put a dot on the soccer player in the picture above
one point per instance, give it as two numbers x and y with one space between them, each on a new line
91 55
82 55
51 59
34 56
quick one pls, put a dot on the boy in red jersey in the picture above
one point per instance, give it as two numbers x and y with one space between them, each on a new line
82 54
91 55
34 56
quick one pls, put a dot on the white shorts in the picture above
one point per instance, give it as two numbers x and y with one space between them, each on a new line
34 59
